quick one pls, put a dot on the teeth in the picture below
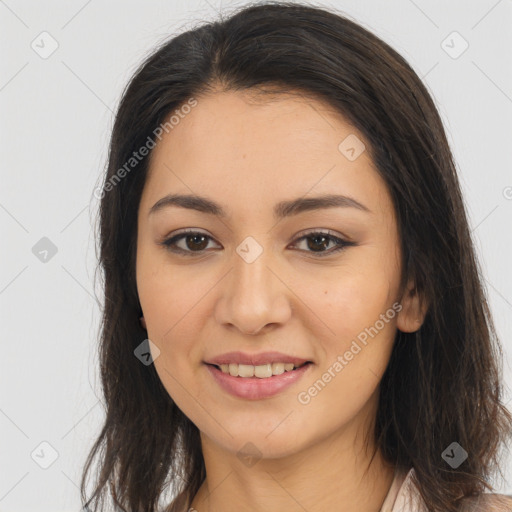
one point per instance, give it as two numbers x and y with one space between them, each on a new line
277 368
233 370
262 371
246 370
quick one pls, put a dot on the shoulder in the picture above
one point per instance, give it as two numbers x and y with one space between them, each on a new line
487 502
409 499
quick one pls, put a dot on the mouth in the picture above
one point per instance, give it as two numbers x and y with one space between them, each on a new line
257 382
262 371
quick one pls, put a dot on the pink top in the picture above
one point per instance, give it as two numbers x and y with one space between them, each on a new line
403 496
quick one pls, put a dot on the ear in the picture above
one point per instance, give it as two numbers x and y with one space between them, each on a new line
411 316
143 322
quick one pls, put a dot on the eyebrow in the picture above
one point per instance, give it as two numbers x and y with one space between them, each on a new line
281 209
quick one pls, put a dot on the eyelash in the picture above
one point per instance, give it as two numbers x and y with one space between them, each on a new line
169 243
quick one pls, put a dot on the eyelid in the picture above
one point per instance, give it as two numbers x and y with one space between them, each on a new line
323 231
165 240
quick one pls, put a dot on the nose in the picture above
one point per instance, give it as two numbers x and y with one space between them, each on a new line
254 297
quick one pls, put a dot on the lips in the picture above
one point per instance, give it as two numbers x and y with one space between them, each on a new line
254 388
256 359
256 376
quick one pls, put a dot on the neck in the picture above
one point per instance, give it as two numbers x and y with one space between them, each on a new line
335 474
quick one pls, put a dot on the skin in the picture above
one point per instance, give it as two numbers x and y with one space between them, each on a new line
248 155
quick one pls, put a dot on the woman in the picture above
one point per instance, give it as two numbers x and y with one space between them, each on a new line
294 318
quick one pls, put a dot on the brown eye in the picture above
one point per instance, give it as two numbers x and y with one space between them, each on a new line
196 241
193 242
318 242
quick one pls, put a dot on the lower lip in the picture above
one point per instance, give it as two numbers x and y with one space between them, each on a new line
254 388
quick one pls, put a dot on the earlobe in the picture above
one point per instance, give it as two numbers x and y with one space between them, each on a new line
143 322
412 315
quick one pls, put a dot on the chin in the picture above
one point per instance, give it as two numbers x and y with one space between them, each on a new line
260 443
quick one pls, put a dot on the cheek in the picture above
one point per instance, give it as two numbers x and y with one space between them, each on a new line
175 326
355 300
168 296
355 359
172 310
357 307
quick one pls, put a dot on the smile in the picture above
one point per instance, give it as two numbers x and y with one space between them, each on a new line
262 371
262 384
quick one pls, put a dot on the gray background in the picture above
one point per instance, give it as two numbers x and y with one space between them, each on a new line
56 116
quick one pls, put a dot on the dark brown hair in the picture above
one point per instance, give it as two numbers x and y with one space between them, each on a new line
443 382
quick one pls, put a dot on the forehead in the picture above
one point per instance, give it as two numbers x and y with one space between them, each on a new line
247 150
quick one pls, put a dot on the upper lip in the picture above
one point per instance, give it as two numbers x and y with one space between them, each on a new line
256 359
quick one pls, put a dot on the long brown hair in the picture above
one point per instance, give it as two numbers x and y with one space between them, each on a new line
443 382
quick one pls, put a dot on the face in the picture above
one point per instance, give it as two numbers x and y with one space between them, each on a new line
269 281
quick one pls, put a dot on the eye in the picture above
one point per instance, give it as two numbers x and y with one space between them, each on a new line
319 240
196 242
192 239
